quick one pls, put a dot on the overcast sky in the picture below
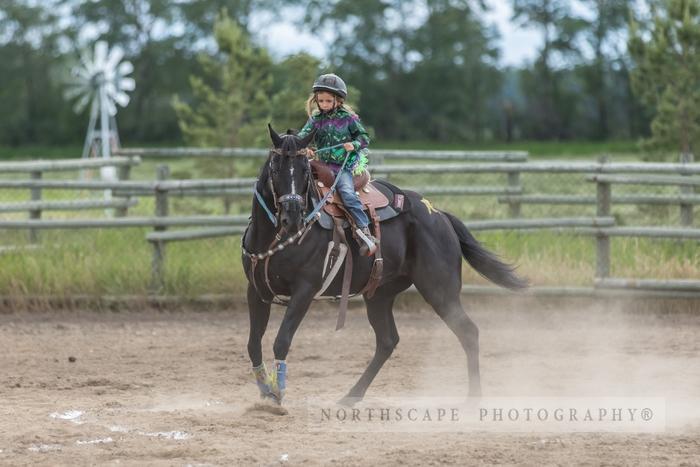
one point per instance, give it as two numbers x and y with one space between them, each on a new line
517 44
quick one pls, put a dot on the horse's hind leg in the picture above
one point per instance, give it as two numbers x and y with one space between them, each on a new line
440 285
381 318
468 334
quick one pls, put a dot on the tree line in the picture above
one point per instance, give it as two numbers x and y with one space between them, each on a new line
419 70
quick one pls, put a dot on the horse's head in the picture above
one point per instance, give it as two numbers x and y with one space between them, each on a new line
290 175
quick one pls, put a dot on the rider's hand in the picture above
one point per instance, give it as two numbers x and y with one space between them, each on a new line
349 147
310 153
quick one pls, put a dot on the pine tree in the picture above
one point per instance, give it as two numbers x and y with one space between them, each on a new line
667 74
294 77
232 100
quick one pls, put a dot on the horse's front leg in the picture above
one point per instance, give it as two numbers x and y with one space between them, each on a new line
259 312
299 303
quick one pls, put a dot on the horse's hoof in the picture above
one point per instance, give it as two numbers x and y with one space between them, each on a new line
475 393
272 398
277 397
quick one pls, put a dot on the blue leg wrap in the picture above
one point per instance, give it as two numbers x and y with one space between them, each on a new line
280 383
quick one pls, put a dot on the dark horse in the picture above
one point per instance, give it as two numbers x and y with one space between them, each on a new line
422 246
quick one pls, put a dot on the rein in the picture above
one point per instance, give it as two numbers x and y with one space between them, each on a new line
328 195
311 216
277 244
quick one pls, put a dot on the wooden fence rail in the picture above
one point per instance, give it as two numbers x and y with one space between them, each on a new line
127 186
67 164
69 205
646 180
591 200
123 222
543 167
376 155
647 284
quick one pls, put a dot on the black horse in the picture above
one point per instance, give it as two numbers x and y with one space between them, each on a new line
422 246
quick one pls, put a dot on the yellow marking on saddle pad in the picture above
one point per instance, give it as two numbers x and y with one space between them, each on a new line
429 206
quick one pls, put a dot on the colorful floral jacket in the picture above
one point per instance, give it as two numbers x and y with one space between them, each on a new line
336 127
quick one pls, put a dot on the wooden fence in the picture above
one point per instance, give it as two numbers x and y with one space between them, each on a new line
602 226
604 200
37 169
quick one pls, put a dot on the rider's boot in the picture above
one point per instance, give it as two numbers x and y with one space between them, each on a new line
368 244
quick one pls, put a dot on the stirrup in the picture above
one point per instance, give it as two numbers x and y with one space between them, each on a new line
368 245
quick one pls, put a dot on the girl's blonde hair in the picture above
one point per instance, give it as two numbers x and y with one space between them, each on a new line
312 104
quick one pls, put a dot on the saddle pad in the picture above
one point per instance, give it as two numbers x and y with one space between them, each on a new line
326 220
397 198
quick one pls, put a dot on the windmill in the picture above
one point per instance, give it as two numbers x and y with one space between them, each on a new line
101 81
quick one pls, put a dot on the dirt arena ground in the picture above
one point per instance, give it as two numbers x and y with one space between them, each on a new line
174 388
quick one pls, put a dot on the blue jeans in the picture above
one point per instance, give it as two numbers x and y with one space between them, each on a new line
346 190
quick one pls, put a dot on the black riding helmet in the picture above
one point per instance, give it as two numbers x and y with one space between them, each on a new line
331 83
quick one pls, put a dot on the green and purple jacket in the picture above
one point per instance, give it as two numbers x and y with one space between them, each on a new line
336 127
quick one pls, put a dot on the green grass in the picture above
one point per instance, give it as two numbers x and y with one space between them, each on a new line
118 262
549 258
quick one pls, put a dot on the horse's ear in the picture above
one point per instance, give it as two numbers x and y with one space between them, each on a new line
308 138
276 139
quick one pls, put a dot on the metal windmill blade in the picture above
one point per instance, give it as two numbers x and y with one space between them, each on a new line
100 56
101 81
125 68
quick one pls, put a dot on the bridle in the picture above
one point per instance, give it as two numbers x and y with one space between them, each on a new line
296 197
278 244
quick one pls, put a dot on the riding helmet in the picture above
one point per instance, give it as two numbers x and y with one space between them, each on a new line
332 83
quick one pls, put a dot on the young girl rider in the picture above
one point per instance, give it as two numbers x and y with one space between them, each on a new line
336 124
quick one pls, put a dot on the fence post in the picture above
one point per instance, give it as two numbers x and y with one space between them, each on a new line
161 210
514 183
35 213
686 209
602 240
124 174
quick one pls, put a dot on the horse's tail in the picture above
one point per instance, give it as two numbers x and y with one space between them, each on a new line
483 261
